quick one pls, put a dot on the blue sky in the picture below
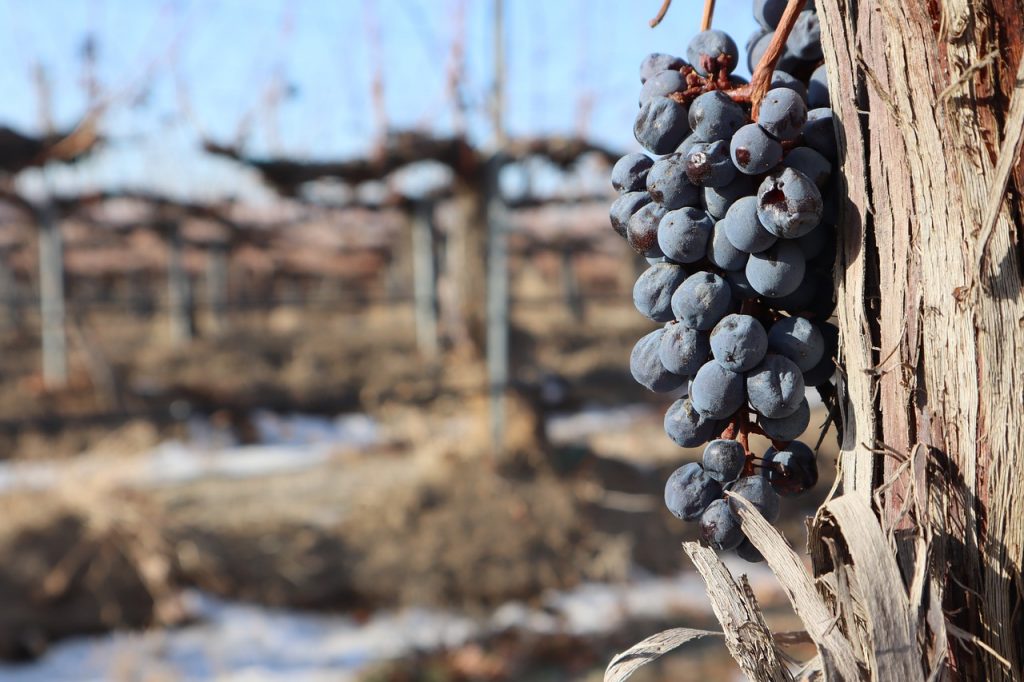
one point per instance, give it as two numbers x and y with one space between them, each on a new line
226 55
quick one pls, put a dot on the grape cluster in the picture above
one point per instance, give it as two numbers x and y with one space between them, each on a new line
735 214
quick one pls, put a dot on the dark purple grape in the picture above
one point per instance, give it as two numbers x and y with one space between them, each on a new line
708 164
668 185
776 271
652 293
738 285
724 460
787 428
683 234
748 552
657 62
642 230
798 339
775 387
739 342
789 204
701 300
662 84
810 163
714 116
804 40
710 46
629 174
801 298
759 493
722 253
781 79
689 491
754 151
782 114
719 527
687 427
624 207
820 133
767 13
661 125
716 392
817 89
717 200
646 367
683 351
792 470
743 228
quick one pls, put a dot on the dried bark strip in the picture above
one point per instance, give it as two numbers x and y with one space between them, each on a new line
652 648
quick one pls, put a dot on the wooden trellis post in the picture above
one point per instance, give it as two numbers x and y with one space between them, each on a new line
51 299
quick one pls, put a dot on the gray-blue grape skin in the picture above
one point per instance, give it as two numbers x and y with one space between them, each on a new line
668 185
629 174
683 351
711 45
754 151
798 339
701 300
719 527
782 79
814 242
749 553
789 204
688 143
820 132
662 84
775 387
683 234
787 428
792 470
714 116
716 392
811 163
642 230
739 285
652 293
759 493
708 164
801 298
687 427
657 62
776 271
721 253
689 491
743 228
661 125
805 39
821 373
739 342
817 89
767 13
788 61
717 200
646 367
623 209
782 114
724 460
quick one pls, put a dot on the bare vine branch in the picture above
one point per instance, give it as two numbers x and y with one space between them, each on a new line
661 13
761 80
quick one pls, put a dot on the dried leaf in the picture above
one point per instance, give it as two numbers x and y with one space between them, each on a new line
626 663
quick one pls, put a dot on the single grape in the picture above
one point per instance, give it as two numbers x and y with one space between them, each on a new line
701 300
657 62
817 89
810 163
753 150
782 114
743 228
721 252
714 116
768 12
748 552
758 492
687 427
683 351
801 298
689 491
661 125
716 392
668 185
820 132
652 293
789 204
719 527
775 387
788 61
805 39
646 367
798 339
820 374
662 84
717 200
624 207
708 164
738 285
712 48
792 470
724 460
781 79
642 230
776 271
787 428
688 143
683 234
629 174
739 342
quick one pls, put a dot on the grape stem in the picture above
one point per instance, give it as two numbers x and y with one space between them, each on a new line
761 79
709 12
661 13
